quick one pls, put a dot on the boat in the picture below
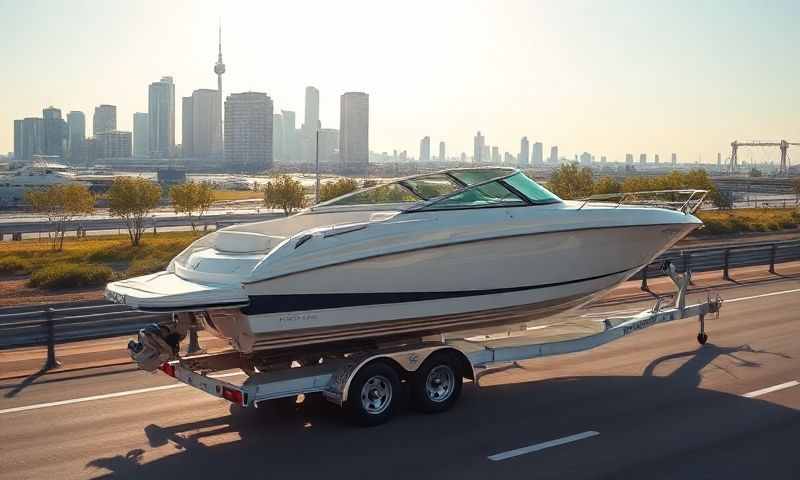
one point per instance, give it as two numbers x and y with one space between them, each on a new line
449 254
39 174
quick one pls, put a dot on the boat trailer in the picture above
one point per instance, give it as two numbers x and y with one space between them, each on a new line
367 382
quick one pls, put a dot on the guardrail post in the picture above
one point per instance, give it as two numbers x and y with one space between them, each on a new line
644 286
726 257
51 361
772 253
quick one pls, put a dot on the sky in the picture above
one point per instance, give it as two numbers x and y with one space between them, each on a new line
607 77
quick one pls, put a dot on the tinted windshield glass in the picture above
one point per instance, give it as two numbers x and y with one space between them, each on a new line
391 193
432 186
535 192
491 194
471 177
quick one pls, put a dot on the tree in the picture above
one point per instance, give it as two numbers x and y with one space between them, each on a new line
607 185
284 192
132 198
191 197
569 182
61 204
338 188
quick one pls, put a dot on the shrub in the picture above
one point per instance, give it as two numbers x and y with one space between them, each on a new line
14 264
146 266
70 275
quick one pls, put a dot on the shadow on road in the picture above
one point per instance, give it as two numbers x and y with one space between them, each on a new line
650 427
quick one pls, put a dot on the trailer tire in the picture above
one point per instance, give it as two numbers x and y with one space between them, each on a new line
373 394
437 383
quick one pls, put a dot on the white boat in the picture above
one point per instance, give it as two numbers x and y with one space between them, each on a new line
451 254
39 174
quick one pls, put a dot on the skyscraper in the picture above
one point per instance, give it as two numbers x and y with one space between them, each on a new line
310 124
425 149
28 138
524 152
496 155
55 132
206 138
248 132
187 127
477 146
219 69
442 154
161 113
76 141
629 159
537 154
114 144
554 154
354 133
278 152
656 160
104 119
643 158
141 134
719 160
674 159
290 146
328 144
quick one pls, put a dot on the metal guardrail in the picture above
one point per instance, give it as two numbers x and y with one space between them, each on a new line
54 324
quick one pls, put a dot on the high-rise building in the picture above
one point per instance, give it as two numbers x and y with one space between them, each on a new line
442 152
642 158
674 159
76 137
187 127
311 120
537 154
104 119
554 154
629 159
206 135
486 154
328 145
55 132
656 159
290 146
354 133
477 147
114 144
586 158
248 132
161 113
524 153
141 134
28 138
496 155
425 149
719 160
219 69
278 153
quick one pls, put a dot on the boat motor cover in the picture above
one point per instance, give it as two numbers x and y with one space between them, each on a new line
167 292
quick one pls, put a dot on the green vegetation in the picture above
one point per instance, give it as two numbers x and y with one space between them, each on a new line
284 192
338 188
191 197
748 220
569 182
70 275
114 253
132 198
61 204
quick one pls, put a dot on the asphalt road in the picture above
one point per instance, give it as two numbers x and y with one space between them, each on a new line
652 405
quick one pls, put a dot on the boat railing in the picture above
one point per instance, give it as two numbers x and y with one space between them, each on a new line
684 200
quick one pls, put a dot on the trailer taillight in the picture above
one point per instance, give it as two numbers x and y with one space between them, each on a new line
234 396
168 369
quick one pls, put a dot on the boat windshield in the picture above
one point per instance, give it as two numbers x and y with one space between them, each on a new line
516 189
390 193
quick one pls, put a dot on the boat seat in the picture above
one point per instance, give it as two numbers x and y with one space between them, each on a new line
231 241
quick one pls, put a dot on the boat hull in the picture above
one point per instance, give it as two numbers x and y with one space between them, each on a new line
532 276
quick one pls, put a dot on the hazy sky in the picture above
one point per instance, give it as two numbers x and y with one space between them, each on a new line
608 77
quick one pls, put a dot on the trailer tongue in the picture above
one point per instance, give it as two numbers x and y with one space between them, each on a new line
366 380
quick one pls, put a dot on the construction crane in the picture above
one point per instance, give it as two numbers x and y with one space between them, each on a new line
783 145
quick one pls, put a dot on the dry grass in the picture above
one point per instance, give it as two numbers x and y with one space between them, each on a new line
749 220
231 195
115 252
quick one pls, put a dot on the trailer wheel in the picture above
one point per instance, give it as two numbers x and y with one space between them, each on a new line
373 394
437 383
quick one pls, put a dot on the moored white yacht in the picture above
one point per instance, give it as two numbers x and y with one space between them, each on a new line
449 253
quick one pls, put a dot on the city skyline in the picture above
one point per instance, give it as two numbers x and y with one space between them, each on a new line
673 91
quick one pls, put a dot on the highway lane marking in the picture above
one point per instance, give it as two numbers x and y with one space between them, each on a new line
774 388
541 446
753 297
107 395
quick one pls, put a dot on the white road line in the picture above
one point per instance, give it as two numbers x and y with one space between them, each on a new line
774 388
107 395
753 297
541 446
